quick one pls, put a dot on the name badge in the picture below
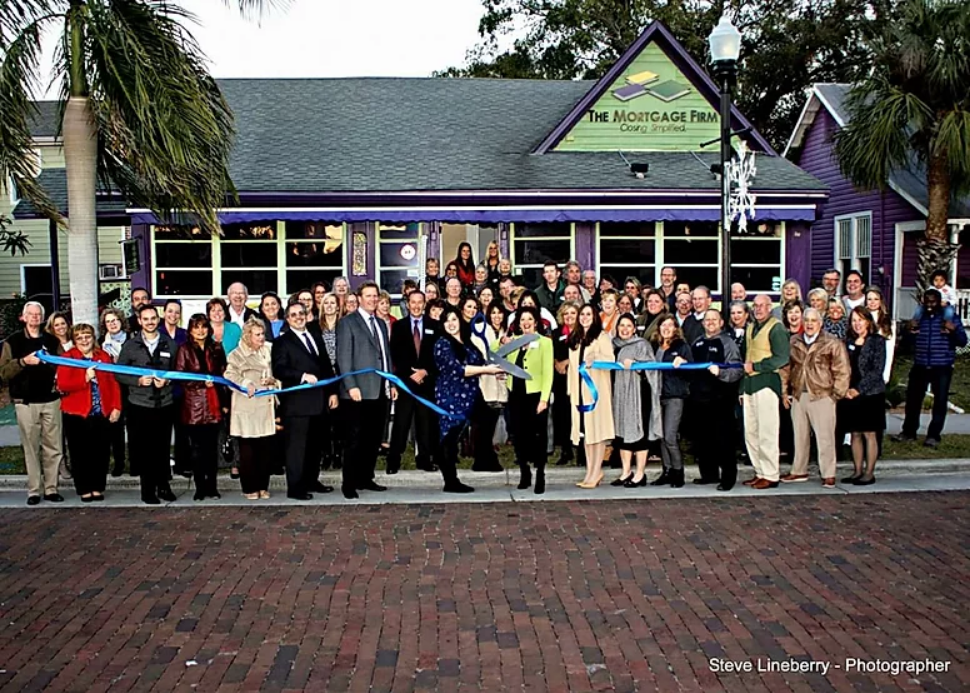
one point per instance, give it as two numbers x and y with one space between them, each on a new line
534 345
429 331
641 328
563 338
165 354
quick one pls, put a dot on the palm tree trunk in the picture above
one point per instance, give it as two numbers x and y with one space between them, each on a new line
80 155
935 251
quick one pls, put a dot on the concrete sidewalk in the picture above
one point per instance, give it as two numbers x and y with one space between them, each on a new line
414 486
956 424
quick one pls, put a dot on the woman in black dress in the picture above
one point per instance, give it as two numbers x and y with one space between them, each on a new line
562 420
863 411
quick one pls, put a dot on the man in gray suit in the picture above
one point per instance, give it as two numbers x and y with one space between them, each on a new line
362 342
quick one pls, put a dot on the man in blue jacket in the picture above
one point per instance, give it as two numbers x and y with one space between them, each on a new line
937 340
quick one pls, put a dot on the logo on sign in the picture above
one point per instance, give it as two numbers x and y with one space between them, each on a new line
647 82
409 252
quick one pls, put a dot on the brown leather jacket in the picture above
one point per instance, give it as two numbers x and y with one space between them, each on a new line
200 406
824 366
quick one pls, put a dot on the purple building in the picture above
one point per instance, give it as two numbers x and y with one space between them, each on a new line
368 177
872 231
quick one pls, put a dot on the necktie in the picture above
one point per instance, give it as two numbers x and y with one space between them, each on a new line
380 344
417 340
309 344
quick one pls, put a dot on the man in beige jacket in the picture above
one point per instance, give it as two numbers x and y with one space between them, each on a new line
819 377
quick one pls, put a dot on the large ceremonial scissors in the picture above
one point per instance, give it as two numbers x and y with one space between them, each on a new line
498 357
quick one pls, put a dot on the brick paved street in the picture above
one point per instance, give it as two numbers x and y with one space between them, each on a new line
612 595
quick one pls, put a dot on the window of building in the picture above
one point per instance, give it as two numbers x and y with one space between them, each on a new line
265 256
183 261
694 248
628 249
397 255
314 252
758 258
247 254
853 243
533 245
641 249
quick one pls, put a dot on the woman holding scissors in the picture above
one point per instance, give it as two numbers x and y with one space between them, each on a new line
459 365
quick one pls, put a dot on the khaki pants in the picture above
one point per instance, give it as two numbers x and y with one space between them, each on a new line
43 440
761 432
818 415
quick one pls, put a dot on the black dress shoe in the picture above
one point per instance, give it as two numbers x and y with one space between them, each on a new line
723 487
702 481
33 500
87 500
98 498
54 498
150 500
864 481
630 483
234 473
318 487
166 495
851 479
457 487
540 481
372 486
199 496
349 493
300 496
620 481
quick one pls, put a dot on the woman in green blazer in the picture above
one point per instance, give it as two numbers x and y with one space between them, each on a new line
529 400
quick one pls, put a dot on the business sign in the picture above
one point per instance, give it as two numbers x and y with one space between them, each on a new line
651 106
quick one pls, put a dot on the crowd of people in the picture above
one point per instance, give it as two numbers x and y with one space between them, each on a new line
795 380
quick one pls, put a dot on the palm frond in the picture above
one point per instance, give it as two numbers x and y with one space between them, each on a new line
879 135
256 8
165 129
18 72
15 15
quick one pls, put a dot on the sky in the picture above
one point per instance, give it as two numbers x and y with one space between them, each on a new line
334 38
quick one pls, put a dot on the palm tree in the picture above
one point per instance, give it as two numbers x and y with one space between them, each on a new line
913 110
138 110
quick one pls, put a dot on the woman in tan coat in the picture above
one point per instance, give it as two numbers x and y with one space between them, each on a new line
588 343
253 419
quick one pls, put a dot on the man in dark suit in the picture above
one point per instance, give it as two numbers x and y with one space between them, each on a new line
299 356
362 342
412 353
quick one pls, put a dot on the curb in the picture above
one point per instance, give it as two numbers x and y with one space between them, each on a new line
510 477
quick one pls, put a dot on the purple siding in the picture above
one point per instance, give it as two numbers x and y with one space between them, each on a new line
585 253
798 240
887 207
143 277
963 261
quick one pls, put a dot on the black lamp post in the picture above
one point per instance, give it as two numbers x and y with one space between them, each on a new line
725 45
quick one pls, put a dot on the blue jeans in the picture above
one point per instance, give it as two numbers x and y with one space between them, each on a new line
938 379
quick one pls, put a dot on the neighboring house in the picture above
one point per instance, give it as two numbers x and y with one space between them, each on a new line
365 177
31 274
873 231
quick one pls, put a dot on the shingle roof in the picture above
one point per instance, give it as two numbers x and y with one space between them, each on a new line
404 134
414 134
54 181
910 181
43 122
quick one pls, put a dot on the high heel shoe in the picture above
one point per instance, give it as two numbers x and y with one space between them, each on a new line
620 481
593 484
630 483
663 479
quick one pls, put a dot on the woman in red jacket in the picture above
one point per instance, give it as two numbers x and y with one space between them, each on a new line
90 401
202 407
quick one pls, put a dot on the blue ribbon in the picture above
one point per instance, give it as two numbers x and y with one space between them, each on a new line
218 380
637 366
496 357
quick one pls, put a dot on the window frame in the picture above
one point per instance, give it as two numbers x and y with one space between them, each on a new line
517 268
216 269
422 232
854 257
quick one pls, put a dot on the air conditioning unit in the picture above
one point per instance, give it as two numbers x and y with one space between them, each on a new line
109 272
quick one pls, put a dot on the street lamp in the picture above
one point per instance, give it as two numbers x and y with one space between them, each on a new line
725 44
